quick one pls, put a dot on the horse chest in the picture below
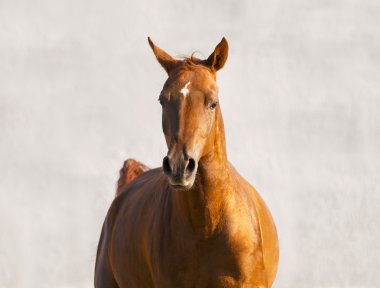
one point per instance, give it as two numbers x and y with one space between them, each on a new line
210 263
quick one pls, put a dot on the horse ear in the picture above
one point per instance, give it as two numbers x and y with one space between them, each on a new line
166 61
218 58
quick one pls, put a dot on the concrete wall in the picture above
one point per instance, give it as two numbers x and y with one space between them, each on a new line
300 97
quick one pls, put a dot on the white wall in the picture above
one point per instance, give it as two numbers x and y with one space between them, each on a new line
300 96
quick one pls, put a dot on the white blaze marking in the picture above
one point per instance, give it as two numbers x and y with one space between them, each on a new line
185 90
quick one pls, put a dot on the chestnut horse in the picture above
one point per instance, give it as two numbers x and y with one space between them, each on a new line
195 222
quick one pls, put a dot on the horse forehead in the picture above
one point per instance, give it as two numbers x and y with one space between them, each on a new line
187 85
185 89
183 84
198 76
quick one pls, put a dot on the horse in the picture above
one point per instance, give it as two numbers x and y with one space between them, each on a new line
194 222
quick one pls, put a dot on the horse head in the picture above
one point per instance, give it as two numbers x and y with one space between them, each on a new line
190 109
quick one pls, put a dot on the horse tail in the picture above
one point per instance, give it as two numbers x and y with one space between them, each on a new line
130 171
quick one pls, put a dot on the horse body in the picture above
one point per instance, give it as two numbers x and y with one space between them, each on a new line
162 249
161 231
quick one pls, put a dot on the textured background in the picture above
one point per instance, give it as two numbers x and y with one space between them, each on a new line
300 95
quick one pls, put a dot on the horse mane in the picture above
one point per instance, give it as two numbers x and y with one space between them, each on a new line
193 62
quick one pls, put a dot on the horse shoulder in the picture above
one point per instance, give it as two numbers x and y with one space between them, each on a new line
139 211
267 228
103 276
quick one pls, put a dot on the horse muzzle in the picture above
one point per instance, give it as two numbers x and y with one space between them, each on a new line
180 171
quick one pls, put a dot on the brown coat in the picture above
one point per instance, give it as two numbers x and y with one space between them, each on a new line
195 222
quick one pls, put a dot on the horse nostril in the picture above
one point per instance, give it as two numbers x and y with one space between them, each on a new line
166 165
190 166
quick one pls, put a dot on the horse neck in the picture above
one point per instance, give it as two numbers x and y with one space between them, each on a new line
201 207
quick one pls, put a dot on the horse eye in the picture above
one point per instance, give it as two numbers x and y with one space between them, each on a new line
213 105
